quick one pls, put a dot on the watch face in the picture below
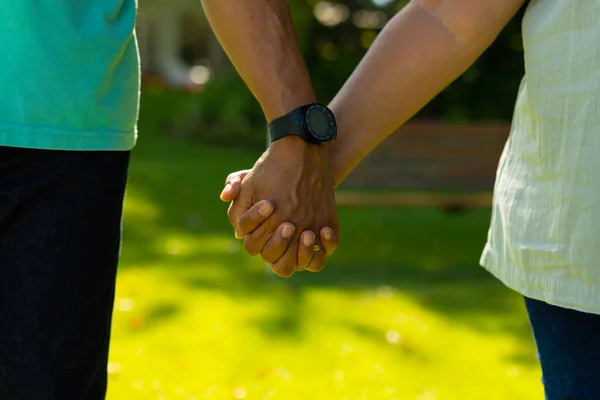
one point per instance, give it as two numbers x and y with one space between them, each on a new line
320 123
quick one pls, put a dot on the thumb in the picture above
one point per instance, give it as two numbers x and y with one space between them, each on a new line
231 191
232 185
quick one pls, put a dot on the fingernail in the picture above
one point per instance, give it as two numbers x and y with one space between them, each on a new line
327 234
265 209
227 187
308 240
288 231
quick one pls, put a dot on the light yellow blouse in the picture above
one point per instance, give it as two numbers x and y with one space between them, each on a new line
544 239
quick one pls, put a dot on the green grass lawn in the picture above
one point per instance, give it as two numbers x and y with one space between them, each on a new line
402 311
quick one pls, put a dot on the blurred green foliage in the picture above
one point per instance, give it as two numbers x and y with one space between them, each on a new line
401 311
228 113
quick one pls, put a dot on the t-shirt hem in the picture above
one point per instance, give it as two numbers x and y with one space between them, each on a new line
550 291
65 139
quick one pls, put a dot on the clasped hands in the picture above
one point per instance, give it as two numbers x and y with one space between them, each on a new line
284 207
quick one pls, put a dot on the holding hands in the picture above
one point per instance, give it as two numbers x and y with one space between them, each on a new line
284 207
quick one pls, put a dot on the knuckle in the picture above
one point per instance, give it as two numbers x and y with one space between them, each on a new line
252 227
230 212
259 231
232 178
269 227
274 221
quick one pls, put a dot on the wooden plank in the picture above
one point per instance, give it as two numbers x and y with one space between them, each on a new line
414 199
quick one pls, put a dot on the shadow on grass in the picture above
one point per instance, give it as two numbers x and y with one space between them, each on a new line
161 312
422 253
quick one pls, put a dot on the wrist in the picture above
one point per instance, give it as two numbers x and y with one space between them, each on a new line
307 127
289 102
293 148
355 138
338 161
344 152
291 143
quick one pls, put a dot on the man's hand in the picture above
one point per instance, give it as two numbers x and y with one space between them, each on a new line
282 238
260 40
294 177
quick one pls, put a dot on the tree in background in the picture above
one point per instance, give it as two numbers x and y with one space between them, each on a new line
334 36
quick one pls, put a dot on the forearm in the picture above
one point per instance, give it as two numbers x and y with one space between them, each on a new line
422 50
259 38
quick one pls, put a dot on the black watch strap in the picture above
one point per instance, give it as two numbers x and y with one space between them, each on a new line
288 124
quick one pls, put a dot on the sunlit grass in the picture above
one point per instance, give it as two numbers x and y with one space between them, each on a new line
401 312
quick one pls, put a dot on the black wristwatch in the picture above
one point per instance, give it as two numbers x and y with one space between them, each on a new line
314 123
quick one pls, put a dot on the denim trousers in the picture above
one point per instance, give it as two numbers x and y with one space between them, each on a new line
60 236
568 344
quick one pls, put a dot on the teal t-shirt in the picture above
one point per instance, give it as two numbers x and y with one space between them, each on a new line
69 74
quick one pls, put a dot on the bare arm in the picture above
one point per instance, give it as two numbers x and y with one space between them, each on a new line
421 51
259 38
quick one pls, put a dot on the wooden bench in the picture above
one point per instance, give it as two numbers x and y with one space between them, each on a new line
430 164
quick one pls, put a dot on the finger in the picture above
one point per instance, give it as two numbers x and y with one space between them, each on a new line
286 265
256 215
328 240
233 184
318 261
255 241
236 209
306 249
232 189
279 242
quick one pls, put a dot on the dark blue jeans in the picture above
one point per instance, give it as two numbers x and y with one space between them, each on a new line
60 233
568 345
